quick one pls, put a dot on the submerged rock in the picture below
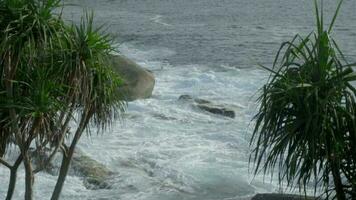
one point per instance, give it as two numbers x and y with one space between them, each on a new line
95 175
138 82
218 110
281 197
208 106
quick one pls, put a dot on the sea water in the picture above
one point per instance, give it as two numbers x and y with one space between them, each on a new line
163 149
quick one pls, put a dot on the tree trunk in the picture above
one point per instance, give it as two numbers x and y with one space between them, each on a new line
62 176
67 158
13 177
29 179
340 193
12 184
60 141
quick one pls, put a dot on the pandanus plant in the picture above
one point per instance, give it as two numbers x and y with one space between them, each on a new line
51 74
306 123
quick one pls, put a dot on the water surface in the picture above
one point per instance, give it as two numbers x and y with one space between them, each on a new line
164 149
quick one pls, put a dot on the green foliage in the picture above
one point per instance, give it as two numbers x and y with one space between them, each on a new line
92 51
51 72
27 32
306 122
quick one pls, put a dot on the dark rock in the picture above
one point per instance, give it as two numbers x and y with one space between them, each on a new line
185 97
218 110
202 101
138 82
281 197
208 106
95 174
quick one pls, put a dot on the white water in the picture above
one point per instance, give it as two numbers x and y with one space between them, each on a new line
164 149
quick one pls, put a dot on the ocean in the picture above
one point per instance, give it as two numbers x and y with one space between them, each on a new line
163 149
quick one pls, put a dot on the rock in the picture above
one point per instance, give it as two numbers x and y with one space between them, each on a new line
218 110
209 106
186 97
138 82
95 174
281 197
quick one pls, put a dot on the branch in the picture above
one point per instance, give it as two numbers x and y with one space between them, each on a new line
65 149
60 144
5 163
17 162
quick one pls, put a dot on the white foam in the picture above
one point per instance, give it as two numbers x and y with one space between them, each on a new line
169 150
158 19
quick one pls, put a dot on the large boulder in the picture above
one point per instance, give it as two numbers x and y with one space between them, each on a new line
208 106
281 197
138 82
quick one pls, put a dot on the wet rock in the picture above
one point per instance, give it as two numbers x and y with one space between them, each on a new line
218 110
208 106
138 82
281 197
186 97
95 174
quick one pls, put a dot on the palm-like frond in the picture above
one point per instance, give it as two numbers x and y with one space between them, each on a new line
306 122
50 71
52 67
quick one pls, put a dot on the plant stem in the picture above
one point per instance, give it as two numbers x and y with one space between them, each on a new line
29 179
6 164
13 176
61 139
67 158
61 177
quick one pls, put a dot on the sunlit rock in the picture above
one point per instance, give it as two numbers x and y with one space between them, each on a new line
138 82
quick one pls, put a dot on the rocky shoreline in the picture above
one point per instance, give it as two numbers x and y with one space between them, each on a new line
276 196
139 84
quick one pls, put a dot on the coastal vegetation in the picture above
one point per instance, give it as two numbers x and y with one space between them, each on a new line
306 125
52 74
57 83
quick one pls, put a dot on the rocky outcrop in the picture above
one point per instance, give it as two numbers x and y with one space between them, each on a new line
95 174
217 109
281 197
138 82
208 106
